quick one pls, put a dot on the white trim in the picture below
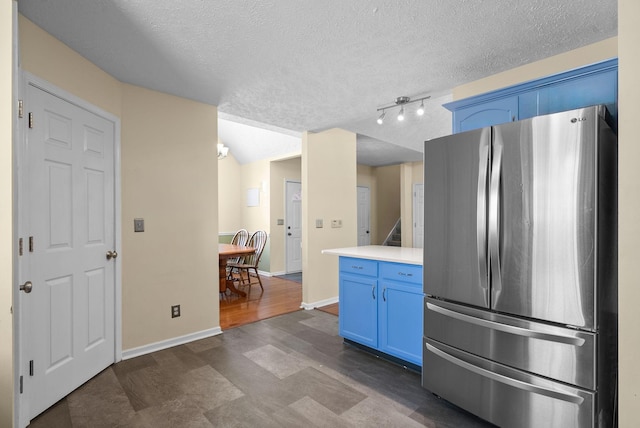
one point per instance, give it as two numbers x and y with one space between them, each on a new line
319 304
226 233
263 273
20 417
277 273
169 343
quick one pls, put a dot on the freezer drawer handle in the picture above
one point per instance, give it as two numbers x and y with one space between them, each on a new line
571 398
577 341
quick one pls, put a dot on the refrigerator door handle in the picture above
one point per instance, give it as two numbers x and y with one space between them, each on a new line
564 396
553 337
494 214
481 225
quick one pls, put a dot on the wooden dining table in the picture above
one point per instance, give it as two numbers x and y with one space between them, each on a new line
225 252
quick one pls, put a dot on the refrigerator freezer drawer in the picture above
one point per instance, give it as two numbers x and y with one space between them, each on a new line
502 395
555 352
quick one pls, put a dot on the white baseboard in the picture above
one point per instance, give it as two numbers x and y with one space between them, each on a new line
164 344
263 273
319 304
277 273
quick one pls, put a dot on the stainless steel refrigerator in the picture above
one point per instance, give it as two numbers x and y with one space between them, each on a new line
520 271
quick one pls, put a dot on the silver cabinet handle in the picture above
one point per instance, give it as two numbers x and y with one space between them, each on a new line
384 291
373 292
506 380
559 338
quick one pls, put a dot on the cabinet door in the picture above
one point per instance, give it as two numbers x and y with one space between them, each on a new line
400 322
486 114
358 318
584 91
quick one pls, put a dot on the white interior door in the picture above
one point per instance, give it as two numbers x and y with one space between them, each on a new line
70 196
418 215
294 226
364 215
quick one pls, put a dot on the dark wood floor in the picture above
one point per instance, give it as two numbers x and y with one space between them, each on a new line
279 297
288 371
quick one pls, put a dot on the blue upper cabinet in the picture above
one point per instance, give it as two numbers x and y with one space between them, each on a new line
480 115
581 87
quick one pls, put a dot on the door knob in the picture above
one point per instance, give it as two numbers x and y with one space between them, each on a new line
26 287
112 255
289 234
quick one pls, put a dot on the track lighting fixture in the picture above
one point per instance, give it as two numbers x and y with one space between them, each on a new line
402 101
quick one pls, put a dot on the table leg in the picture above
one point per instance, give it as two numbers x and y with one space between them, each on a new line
224 282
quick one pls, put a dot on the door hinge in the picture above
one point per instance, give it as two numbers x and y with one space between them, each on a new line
30 367
30 120
20 109
21 384
20 247
31 244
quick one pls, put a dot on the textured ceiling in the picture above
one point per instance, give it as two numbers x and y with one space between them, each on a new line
314 65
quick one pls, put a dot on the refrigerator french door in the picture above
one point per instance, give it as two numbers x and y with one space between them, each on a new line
519 270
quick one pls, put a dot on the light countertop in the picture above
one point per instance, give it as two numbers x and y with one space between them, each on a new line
382 253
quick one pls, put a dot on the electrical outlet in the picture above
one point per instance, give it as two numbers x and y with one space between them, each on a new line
175 311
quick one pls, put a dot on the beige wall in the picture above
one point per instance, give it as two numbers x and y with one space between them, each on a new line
281 171
230 195
366 177
411 173
6 213
253 175
50 59
328 193
169 176
629 206
590 54
387 199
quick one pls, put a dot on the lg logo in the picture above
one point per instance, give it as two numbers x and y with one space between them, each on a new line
578 119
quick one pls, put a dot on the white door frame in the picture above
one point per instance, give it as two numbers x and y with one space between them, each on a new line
21 272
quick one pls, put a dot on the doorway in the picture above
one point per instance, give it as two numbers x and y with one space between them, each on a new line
418 215
364 216
67 192
293 223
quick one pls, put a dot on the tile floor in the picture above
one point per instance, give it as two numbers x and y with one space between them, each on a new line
288 371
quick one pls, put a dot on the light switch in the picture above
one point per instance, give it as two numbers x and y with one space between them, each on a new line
336 223
138 225
280 222
318 223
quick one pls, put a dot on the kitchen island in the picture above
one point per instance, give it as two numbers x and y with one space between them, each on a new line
380 294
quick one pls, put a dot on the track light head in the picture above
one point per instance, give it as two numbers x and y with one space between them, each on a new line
420 110
401 114
381 118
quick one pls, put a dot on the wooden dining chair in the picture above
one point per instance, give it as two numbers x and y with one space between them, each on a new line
247 268
240 238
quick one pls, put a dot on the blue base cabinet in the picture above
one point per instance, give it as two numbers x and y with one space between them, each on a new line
381 307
